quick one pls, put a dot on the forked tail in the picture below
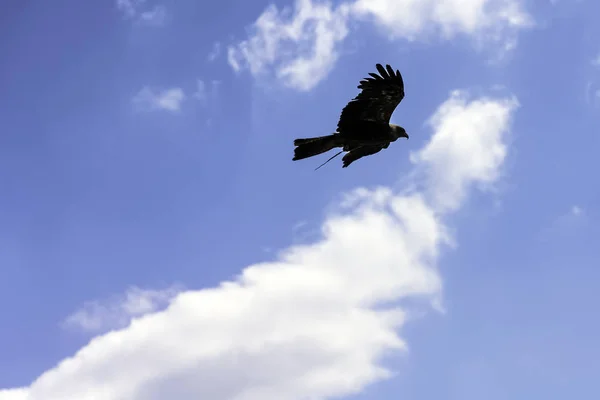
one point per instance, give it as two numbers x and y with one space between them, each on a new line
309 147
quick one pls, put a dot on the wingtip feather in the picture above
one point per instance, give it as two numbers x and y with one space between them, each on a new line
381 70
390 70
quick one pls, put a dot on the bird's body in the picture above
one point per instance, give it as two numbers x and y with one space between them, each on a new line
363 128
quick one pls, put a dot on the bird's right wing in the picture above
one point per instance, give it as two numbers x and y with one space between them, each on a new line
379 96
360 152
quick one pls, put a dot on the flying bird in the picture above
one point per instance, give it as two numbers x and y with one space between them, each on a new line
364 126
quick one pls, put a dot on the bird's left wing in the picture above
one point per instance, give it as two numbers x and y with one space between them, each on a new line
379 96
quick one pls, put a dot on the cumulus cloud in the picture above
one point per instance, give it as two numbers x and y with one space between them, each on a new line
117 312
411 19
301 48
449 172
14 394
315 322
301 45
148 99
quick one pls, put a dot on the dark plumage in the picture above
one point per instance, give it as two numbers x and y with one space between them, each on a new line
364 126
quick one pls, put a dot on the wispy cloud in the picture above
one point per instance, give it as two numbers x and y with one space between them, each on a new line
301 46
148 99
576 211
118 311
206 91
592 91
128 7
215 52
318 319
564 225
143 13
156 16
200 92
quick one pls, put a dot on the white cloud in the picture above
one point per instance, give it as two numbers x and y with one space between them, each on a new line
450 172
14 394
148 99
303 47
316 322
411 19
141 12
118 311
300 46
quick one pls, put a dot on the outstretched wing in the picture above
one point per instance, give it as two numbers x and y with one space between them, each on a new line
360 152
379 96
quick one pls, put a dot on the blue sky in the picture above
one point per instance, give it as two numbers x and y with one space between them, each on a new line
157 241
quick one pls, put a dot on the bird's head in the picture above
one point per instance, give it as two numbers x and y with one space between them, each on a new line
398 131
